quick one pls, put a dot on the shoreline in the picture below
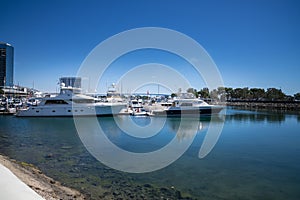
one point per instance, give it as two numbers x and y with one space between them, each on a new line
282 107
43 185
50 189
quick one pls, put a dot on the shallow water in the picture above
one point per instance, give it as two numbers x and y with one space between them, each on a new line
255 157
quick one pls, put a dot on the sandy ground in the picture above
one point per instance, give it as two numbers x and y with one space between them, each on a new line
40 183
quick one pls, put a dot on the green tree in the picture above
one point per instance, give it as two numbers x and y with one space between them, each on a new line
173 95
257 93
297 96
241 93
246 93
144 97
204 93
221 93
274 94
214 94
193 91
237 93
229 92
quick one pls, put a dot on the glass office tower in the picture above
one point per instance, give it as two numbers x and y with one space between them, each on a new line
6 65
74 82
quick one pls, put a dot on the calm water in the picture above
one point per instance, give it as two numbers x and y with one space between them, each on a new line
256 156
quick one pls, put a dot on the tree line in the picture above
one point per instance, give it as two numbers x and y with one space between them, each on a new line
249 94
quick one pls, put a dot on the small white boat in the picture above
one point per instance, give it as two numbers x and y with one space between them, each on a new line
71 103
139 112
33 101
136 108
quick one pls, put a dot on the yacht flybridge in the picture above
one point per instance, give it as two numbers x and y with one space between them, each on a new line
70 102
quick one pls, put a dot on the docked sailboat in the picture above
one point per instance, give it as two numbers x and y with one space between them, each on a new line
70 102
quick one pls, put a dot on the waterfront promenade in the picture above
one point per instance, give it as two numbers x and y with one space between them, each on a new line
24 181
12 187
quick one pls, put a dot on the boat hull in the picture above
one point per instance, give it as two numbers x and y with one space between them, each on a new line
195 111
69 111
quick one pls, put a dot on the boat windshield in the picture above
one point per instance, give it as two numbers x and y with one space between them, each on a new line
55 101
186 104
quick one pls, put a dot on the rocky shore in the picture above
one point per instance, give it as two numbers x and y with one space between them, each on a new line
45 186
120 189
266 105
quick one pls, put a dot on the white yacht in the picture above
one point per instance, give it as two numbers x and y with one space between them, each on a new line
136 108
112 94
70 102
183 106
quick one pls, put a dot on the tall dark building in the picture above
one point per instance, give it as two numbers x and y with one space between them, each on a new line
6 65
74 82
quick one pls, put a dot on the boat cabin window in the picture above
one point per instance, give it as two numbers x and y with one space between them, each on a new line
198 102
166 104
186 104
83 100
55 101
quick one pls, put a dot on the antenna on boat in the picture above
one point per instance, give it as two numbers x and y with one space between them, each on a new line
121 88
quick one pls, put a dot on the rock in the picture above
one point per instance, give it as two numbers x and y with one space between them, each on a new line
147 185
94 184
116 193
119 198
106 193
49 155
66 147
163 189
106 186
178 194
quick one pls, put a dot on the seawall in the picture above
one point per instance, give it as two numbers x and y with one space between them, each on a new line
266 105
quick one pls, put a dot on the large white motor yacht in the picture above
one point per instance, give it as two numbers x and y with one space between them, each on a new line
70 102
187 106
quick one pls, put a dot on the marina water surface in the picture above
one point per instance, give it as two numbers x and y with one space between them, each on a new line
255 157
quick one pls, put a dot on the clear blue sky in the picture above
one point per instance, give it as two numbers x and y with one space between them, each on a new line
253 43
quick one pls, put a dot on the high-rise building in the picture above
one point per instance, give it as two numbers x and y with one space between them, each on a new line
74 82
6 65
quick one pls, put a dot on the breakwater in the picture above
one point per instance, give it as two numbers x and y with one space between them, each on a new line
266 105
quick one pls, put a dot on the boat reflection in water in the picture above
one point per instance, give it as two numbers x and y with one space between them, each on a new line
145 134
145 126
127 141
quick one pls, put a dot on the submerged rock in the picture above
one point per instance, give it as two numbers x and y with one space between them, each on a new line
49 155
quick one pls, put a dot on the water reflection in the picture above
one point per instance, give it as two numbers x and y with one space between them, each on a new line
154 135
187 123
257 117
